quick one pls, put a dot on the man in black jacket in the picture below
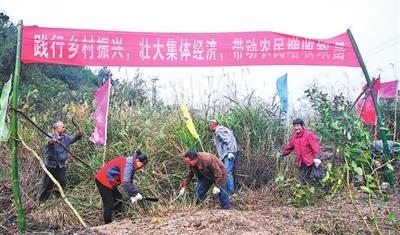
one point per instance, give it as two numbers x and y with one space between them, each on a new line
55 157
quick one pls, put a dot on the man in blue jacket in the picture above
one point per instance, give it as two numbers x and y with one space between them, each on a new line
55 157
227 149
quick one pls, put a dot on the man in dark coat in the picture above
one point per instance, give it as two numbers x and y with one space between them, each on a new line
55 157
208 170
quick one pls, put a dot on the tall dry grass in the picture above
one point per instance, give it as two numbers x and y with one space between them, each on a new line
161 134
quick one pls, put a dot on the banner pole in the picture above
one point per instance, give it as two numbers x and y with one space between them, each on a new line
105 131
382 129
14 142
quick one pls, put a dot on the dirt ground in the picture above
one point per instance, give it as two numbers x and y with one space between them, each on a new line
264 213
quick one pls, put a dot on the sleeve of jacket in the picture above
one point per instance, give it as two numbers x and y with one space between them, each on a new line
75 138
127 181
313 141
289 148
217 174
187 178
226 139
48 149
48 140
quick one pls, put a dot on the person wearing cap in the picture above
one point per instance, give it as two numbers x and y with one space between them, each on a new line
208 170
227 150
118 171
306 147
55 158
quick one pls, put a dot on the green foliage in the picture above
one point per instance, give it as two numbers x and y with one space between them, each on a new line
303 195
129 93
388 109
334 177
337 125
392 218
8 41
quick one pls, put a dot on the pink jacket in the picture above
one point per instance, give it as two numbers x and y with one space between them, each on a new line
305 145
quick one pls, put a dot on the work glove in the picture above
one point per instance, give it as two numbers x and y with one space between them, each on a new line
182 191
230 156
216 190
317 162
136 198
278 155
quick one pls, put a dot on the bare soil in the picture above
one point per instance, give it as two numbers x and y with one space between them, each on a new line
265 212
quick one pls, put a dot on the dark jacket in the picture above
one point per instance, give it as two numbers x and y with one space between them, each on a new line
208 167
54 154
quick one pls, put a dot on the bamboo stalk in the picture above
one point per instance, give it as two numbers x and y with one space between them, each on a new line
63 196
373 215
350 196
201 144
13 135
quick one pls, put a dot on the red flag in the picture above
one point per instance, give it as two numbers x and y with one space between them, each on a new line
102 98
366 105
388 89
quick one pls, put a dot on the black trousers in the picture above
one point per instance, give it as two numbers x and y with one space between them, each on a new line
111 200
60 174
307 171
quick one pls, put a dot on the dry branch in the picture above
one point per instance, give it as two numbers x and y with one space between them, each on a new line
63 196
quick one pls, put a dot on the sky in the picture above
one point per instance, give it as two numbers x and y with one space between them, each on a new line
375 25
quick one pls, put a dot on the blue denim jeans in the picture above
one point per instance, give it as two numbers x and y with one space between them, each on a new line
230 165
203 185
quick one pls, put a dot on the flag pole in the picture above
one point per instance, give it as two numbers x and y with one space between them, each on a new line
201 145
382 129
105 132
14 141
287 102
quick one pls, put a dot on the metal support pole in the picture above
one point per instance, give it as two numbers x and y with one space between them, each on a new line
382 129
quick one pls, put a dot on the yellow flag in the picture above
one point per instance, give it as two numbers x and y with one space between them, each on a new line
189 121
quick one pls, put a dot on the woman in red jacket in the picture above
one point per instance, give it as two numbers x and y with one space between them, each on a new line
118 171
306 147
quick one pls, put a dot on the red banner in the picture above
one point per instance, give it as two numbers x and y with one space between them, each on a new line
112 48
